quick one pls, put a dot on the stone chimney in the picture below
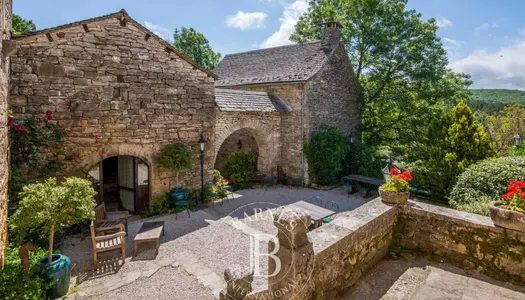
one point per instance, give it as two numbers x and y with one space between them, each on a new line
331 36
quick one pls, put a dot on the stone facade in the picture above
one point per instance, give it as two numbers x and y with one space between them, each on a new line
241 141
5 36
115 89
264 128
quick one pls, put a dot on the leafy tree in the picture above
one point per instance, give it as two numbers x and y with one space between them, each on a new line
196 46
326 151
494 100
454 142
399 61
503 126
47 207
176 157
21 26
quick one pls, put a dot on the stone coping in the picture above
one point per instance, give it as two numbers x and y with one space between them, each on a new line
346 223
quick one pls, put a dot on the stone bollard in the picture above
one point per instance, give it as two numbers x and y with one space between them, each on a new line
290 270
239 280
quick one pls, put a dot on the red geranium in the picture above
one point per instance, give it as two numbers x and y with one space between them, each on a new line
515 188
49 117
394 171
49 112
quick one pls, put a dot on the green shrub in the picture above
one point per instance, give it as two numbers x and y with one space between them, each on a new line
518 151
486 179
480 207
158 205
176 157
325 152
454 142
13 284
239 168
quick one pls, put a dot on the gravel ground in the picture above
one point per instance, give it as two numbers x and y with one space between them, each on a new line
167 283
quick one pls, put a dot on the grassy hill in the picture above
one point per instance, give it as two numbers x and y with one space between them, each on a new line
494 100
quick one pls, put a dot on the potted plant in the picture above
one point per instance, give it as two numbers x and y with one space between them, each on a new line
176 157
510 211
395 190
47 207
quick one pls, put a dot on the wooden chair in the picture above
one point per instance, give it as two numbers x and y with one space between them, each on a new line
109 242
109 221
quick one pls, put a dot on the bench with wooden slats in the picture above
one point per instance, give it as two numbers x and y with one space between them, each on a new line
108 242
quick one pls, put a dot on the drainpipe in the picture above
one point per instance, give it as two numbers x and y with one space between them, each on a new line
302 134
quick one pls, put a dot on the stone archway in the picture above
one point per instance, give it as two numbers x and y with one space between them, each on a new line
240 141
266 138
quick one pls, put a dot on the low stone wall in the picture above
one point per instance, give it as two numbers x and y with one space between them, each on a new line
343 250
467 240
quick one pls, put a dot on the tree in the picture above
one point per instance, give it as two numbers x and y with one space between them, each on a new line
21 26
47 207
453 143
176 157
196 46
399 61
503 126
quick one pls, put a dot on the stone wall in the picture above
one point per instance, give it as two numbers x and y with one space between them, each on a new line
293 127
5 36
334 96
115 89
265 128
241 141
469 241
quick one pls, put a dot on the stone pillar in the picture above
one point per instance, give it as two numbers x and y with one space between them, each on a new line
6 48
239 280
294 257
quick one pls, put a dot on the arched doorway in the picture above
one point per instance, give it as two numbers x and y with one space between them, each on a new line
240 141
122 183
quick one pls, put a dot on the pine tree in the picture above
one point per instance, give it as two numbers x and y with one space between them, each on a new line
453 143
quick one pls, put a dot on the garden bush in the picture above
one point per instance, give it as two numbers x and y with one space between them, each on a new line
325 152
239 168
14 285
177 157
486 180
158 205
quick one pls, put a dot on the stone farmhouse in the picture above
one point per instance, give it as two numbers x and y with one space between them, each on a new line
120 93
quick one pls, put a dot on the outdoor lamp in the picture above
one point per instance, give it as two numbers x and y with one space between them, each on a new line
517 140
386 169
202 141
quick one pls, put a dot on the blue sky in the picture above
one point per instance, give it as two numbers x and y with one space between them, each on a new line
485 38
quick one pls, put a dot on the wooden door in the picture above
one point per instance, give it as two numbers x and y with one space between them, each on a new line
127 182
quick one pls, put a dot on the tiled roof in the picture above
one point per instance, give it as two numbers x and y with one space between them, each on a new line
248 101
292 63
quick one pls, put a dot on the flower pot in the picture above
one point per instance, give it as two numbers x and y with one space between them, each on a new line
505 218
57 272
176 195
393 197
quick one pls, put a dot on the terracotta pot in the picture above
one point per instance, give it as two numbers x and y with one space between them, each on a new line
394 197
502 217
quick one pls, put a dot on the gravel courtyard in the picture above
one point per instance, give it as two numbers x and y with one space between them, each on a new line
195 250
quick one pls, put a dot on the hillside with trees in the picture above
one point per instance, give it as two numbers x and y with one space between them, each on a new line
492 101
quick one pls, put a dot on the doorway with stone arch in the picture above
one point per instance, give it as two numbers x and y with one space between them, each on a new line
122 183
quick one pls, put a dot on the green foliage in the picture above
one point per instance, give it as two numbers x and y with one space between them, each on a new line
35 153
487 179
158 205
481 206
326 152
399 61
47 207
219 184
493 101
177 157
453 143
196 46
21 26
13 284
503 126
239 168
518 151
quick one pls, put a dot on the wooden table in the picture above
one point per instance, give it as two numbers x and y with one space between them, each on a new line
149 232
316 212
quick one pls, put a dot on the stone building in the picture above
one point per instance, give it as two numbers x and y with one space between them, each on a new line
6 48
119 93
315 83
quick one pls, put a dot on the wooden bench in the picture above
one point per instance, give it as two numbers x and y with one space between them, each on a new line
368 182
149 232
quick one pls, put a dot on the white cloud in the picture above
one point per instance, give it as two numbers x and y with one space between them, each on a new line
486 26
444 22
452 47
157 29
245 21
291 14
504 68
